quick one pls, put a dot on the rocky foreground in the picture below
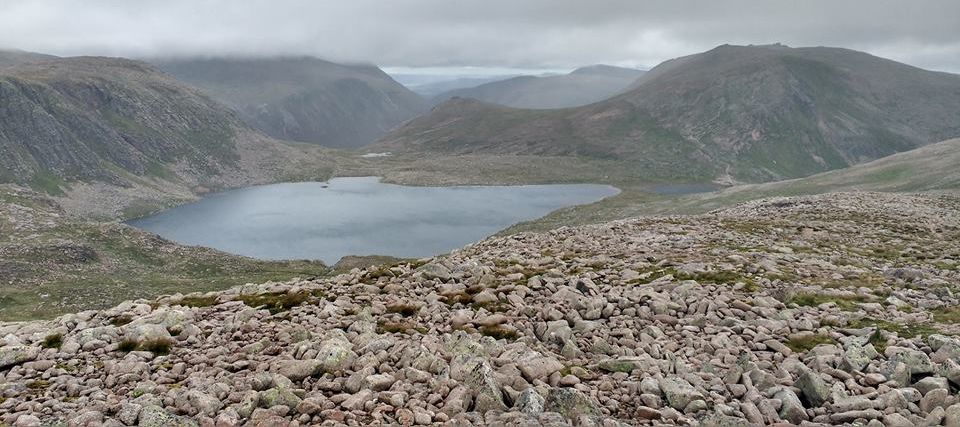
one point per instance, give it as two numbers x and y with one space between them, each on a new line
833 309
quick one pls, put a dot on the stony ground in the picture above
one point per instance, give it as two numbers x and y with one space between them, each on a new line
52 263
833 309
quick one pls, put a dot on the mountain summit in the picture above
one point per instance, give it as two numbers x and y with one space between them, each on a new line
743 113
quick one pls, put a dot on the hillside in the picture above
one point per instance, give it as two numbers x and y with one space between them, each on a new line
52 263
926 169
304 99
99 129
732 114
14 57
931 169
582 86
832 310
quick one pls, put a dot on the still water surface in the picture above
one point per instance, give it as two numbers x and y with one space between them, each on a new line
358 216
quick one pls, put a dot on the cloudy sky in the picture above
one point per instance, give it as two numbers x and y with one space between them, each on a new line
492 34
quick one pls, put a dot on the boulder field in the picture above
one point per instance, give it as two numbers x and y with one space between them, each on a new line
815 310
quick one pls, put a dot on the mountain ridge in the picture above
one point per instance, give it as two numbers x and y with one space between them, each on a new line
582 86
129 131
739 113
303 99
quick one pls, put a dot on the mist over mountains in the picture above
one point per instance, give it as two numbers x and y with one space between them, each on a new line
14 57
304 99
429 86
740 113
770 234
582 86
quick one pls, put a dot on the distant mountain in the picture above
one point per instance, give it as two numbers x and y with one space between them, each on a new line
430 86
582 86
304 99
14 57
734 113
125 124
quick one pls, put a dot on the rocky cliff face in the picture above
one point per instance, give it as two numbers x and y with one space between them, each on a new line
304 99
102 118
744 113
71 123
831 309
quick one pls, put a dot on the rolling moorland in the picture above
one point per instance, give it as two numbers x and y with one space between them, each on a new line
738 307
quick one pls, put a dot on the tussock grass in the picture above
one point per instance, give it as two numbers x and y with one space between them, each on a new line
197 302
947 314
405 310
903 330
157 346
52 341
38 385
499 332
279 302
804 344
121 320
128 345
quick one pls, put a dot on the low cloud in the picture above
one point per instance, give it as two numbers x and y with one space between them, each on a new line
490 33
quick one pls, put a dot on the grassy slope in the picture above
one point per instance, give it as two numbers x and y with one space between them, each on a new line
734 114
50 264
930 168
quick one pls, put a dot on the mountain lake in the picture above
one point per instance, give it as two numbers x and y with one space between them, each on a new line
358 216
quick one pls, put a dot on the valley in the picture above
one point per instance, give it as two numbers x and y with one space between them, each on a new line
751 235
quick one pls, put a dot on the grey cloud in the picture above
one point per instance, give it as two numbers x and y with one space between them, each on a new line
493 33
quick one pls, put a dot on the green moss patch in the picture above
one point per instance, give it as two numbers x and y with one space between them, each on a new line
279 302
904 330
